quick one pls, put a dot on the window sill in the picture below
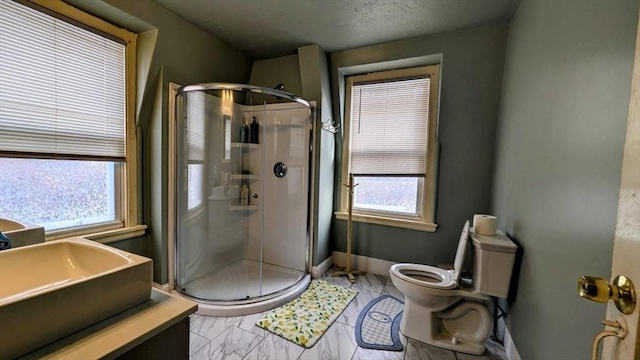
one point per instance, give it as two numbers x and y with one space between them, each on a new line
108 236
386 221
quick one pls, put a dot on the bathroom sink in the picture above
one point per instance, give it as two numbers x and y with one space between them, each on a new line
21 233
51 290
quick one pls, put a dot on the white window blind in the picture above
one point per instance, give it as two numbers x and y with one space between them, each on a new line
389 122
62 88
195 126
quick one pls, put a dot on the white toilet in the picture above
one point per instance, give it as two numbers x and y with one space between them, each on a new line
443 313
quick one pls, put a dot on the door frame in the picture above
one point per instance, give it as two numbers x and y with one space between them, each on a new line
626 244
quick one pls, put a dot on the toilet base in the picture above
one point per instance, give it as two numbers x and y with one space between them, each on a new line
446 342
422 324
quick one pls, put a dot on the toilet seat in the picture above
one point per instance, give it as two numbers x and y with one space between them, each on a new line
445 279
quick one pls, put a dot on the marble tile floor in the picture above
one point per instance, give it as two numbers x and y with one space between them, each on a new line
227 338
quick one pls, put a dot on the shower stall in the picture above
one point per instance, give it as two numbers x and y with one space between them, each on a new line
243 172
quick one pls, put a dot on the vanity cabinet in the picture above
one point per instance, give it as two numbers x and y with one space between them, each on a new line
172 343
155 329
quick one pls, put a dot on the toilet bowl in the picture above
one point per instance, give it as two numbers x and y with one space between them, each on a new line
438 311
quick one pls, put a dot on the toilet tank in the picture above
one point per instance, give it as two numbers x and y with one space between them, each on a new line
493 263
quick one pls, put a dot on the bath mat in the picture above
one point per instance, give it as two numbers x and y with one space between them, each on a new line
378 323
305 319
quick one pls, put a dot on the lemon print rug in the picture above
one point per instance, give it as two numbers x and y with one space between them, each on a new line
305 319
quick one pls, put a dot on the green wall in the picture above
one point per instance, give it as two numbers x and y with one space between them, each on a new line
558 161
138 246
314 75
471 78
281 70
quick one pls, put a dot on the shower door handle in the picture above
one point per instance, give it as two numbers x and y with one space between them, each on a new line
255 196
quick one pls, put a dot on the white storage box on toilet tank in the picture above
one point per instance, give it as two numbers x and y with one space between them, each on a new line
493 263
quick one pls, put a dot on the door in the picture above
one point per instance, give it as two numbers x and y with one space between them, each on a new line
626 247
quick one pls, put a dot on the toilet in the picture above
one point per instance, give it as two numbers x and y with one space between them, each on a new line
442 311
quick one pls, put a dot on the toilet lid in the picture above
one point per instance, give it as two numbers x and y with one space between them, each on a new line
462 247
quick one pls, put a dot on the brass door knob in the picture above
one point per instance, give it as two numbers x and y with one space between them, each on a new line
597 289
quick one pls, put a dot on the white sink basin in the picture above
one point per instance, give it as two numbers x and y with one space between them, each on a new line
21 233
51 290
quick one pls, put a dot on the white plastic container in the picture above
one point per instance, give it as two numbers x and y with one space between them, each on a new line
493 265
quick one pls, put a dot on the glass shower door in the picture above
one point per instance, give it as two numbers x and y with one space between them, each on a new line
242 223
218 222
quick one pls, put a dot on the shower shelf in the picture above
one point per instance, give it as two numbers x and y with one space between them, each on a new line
245 146
253 177
238 207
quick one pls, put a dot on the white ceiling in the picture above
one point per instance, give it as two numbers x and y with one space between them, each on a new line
271 28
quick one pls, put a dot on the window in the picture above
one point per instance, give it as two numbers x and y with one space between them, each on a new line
195 143
389 147
67 133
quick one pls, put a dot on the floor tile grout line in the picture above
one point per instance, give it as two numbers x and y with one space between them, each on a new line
222 332
372 290
249 331
259 342
354 352
198 349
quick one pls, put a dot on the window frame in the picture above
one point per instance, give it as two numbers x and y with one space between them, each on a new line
199 145
426 194
127 193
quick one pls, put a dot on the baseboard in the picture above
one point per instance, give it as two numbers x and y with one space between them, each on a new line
509 346
317 271
163 287
363 263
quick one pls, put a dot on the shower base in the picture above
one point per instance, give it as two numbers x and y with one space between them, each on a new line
236 289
